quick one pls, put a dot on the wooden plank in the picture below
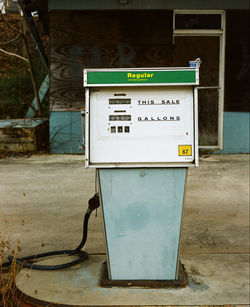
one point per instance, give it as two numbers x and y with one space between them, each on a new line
103 40
24 135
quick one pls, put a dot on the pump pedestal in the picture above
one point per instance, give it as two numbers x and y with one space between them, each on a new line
142 211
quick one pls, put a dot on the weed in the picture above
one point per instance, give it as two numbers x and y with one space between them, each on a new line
16 92
8 275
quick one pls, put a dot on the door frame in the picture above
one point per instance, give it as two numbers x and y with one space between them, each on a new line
221 33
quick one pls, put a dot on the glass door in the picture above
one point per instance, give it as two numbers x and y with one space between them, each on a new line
199 34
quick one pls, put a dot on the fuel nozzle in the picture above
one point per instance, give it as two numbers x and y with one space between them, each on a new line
94 203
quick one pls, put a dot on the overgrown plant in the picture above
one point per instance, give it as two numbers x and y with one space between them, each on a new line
21 76
8 275
16 92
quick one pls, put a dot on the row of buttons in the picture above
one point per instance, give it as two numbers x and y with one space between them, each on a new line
120 129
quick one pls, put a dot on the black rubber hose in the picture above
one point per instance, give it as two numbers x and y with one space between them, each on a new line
31 264
29 261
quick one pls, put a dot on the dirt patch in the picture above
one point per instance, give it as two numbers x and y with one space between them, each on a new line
195 282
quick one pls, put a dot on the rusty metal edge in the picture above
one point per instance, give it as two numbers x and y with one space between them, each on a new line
181 282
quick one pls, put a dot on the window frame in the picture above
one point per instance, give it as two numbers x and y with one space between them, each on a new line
221 33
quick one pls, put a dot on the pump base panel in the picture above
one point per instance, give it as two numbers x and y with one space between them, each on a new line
180 282
142 211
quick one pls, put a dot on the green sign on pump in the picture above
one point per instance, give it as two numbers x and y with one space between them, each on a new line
188 76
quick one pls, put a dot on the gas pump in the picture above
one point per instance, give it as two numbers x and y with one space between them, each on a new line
141 134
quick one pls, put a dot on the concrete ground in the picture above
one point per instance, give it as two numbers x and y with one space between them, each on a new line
42 203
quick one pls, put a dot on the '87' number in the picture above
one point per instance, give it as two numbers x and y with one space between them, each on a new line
184 152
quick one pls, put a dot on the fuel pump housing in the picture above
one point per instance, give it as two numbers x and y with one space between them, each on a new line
141 133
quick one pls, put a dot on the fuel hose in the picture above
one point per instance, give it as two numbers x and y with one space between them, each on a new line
30 261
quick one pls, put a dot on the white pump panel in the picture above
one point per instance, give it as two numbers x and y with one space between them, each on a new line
146 125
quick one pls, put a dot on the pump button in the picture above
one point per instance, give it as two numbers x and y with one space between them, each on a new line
113 129
126 129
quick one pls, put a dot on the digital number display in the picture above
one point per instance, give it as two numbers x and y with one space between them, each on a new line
120 101
119 117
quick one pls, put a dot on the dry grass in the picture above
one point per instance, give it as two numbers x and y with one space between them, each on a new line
8 274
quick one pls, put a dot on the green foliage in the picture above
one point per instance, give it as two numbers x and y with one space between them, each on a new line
16 90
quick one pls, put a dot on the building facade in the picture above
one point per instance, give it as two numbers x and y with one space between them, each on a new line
133 33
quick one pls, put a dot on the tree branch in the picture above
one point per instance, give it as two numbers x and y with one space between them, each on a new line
14 54
32 74
7 23
11 40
